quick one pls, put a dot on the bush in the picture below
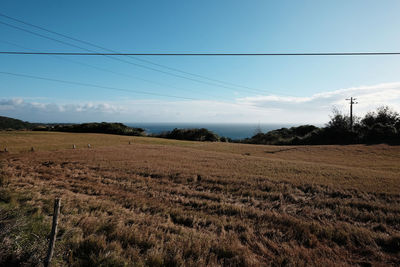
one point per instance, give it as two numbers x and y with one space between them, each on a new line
379 133
283 136
223 139
339 121
382 126
103 127
194 134
384 115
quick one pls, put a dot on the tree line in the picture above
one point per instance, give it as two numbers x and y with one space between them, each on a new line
380 126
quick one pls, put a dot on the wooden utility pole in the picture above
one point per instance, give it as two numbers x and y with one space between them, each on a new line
352 102
53 235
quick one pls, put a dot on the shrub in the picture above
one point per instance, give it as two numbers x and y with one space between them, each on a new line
381 126
283 136
194 134
383 115
223 139
379 133
103 127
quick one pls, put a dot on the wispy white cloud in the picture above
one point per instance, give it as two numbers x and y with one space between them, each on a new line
51 112
263 108
368 97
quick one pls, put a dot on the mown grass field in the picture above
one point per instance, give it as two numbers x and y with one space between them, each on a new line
160 202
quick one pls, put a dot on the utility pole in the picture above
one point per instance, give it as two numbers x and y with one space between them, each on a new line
352 102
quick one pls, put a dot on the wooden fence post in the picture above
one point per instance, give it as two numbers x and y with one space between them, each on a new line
53 235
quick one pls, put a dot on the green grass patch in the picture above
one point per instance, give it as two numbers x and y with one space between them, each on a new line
24 230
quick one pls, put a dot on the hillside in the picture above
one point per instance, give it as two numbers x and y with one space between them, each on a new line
95 127
157 202
7 123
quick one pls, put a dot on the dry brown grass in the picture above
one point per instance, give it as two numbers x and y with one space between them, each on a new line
195 204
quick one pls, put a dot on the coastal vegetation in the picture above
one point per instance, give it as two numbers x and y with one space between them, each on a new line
7 123
94 127
380 126
103 127
194 134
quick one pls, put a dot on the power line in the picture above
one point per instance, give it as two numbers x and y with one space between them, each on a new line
114 53
202 54
139 59
89 52
114 88
43 36
110 71
94 85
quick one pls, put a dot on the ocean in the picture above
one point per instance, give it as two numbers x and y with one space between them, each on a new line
231 130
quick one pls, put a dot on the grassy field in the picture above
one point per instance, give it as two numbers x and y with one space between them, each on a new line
160 202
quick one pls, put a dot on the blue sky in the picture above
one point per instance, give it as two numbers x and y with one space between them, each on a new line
288 89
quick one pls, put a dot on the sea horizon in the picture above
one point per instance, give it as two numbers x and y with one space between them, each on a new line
230 130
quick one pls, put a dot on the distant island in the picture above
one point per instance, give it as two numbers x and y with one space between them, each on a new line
380 126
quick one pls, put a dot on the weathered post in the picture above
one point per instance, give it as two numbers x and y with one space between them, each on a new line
53 234
88 145
5 149
73 146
